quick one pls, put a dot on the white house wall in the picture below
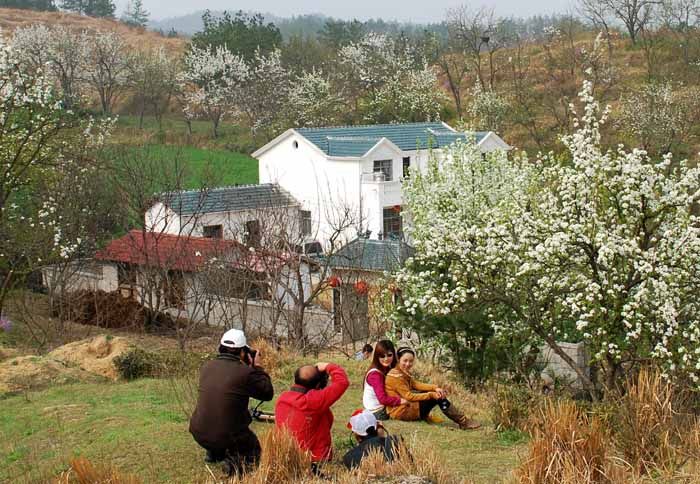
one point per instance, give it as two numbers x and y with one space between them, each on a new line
233 223
322 186
322 183
161 219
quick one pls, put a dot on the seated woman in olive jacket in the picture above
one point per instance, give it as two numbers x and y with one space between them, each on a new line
421 397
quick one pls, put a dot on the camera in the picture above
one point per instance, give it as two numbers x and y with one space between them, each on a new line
250 352
322 380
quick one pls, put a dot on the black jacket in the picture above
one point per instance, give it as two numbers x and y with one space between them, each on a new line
225 385
387 445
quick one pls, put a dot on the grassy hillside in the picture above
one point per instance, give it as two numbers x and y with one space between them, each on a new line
11 18
201 167
140 428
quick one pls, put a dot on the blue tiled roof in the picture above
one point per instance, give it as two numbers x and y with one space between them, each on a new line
355 141
372 255
228 199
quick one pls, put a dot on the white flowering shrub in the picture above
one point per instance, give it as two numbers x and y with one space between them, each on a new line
594 246
659 116
487 109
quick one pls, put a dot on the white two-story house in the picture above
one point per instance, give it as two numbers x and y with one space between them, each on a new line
336 171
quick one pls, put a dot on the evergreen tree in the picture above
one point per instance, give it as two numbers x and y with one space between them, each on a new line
242 34
41 5
135 14
92 8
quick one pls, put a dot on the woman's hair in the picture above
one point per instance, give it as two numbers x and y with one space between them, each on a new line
403 350
381 349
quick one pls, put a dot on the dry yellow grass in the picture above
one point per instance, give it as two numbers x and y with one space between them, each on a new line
569 447
82 471
11 19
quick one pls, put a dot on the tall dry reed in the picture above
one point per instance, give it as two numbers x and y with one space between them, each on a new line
568 446
652 424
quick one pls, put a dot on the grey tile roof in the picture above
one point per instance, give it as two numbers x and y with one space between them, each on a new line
372 255
355 141
228 199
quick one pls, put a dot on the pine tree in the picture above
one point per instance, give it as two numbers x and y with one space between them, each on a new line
135 14
42 5
92 8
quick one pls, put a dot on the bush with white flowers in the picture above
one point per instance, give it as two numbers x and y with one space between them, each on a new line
595 246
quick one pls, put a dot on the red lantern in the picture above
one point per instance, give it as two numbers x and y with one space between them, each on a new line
396 208
361 287
334 281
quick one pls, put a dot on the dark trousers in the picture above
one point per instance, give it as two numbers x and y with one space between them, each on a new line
426 406
239 455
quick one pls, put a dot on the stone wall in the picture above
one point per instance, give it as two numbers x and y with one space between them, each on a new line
556 368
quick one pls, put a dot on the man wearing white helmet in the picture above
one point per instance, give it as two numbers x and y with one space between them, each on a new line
221 419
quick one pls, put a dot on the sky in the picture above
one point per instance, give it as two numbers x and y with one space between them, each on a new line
402 10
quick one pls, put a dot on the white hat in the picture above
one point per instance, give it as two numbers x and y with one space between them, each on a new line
361 422
234 338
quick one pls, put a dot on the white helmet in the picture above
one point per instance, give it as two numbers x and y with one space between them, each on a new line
234 338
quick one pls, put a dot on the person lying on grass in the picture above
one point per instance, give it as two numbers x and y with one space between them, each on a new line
371 436
421 397
374 397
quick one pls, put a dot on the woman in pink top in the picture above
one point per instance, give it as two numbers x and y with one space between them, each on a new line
374 397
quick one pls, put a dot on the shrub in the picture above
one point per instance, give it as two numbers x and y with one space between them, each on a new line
568 447
513 406
137 363
111 310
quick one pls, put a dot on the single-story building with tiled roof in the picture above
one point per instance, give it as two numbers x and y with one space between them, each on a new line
358 170
202 279
246 213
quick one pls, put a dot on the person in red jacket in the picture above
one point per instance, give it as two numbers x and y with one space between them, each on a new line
305 409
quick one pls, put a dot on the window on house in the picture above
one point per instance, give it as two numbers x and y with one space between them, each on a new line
313 248
213 231
406 166
252 233
305 222
383 166
392 222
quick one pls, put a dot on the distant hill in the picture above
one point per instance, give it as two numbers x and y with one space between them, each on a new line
306 25
11 18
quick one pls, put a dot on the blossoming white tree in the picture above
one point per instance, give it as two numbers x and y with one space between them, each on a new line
44 165
107 67
60 52
209 81
602 248
398 87
313 101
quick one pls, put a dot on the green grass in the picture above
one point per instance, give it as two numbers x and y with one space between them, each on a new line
201 167
139 427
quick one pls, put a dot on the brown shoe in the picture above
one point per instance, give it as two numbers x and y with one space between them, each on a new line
469 424
465 423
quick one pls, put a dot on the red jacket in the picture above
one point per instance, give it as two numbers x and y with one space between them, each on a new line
308 416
